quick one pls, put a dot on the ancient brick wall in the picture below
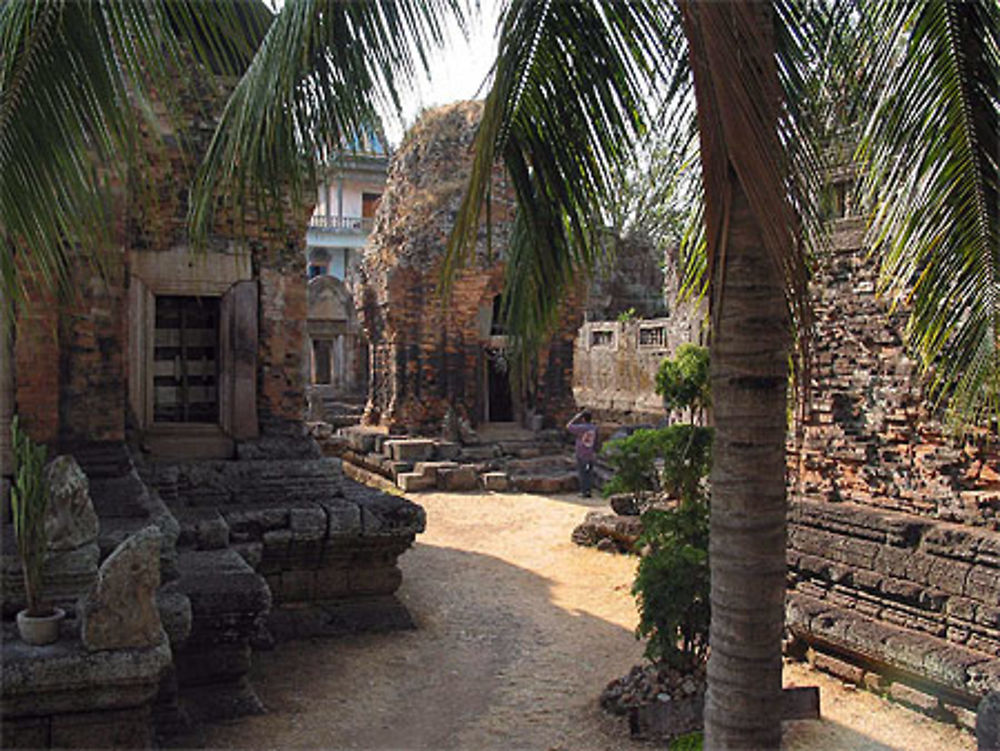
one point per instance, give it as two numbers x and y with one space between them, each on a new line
429 355
869 437
73 366
893 553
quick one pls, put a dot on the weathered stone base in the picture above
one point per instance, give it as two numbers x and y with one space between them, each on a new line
63 696
339 617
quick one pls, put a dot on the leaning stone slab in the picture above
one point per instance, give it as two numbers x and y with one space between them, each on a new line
120 611
458 479
71 521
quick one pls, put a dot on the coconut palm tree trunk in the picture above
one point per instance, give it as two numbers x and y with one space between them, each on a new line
747 544
753 252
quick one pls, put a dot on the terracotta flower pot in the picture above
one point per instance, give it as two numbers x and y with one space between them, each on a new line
39 630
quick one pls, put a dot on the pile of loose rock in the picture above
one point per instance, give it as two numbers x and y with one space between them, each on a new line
660 702
617 530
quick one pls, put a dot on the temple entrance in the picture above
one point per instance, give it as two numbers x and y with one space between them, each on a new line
499 402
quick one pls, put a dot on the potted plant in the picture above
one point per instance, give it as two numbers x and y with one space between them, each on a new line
39 622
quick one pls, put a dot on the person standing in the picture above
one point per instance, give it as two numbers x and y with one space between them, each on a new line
586 449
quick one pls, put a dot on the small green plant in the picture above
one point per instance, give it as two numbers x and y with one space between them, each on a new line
29 503
684 451
683 380
627 315
687 742
672 585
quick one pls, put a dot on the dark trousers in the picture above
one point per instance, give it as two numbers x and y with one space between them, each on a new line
585 472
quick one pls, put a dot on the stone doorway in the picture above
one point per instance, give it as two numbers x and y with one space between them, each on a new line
499 401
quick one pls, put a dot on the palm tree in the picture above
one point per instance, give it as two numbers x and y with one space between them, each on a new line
566 94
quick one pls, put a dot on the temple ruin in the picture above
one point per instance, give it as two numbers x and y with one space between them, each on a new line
177 379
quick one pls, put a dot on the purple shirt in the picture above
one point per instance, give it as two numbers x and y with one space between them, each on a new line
586 440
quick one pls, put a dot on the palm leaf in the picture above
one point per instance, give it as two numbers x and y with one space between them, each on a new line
321 77
931 148
570 93
74 79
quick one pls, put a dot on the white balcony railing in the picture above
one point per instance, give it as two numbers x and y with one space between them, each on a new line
343 224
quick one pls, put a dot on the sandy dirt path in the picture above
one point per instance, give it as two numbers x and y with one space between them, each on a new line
518 632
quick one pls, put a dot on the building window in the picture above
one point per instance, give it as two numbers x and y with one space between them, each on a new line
602 338
186 359
652 336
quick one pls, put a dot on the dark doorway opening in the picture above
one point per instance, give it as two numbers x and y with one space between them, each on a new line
500 405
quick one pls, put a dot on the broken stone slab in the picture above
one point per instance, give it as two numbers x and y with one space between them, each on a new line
70 521
458 479
412 482
120 611
622 532
498 482
409 449
431 469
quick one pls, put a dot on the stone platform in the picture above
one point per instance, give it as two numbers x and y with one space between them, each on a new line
899 603
499 460
63 696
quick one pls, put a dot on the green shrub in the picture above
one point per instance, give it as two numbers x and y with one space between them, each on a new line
685 451
672 585
683 381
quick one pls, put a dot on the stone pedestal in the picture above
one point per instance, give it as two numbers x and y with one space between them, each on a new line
64 696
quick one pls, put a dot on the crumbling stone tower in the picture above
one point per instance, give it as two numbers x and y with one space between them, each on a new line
428 354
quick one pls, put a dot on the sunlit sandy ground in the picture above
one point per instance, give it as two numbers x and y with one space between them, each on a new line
518 631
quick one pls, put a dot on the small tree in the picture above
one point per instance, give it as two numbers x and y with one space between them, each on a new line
683 380
29 502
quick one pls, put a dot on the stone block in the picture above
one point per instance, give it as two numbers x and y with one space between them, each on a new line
331 583
914 698
383 580
496 481
411 482
446 450
344 518
458 479
409 449
212 533
837 667
25 732
395 469
431 469
216 664
296 586
307 523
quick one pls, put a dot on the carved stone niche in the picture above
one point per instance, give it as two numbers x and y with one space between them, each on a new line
192 351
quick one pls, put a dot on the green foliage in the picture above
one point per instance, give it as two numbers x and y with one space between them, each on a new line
672 585
627 315
29 502
683 381
684 450
687 742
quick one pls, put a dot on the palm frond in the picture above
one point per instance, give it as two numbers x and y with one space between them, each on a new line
74 79
322 75
570 94
931 149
